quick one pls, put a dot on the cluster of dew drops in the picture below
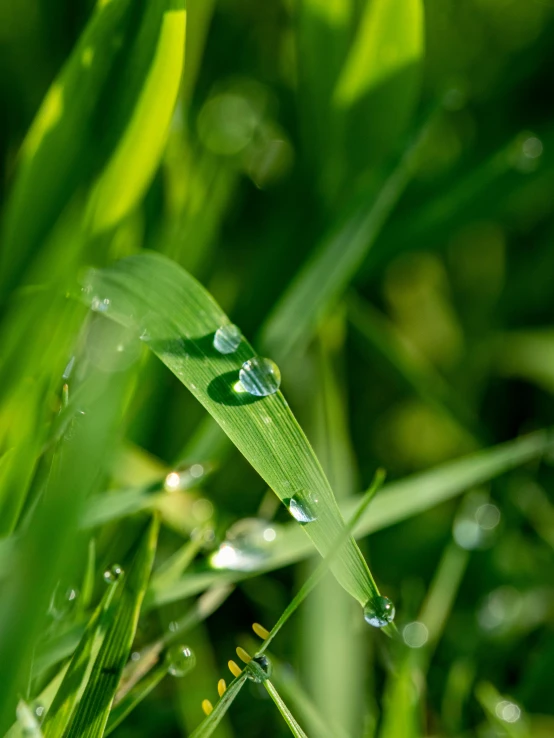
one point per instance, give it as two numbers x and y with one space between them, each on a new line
258 376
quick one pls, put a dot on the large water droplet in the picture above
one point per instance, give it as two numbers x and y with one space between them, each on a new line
303 506
180 660
247 543
259 668
112 574
260 377
227 339
379 612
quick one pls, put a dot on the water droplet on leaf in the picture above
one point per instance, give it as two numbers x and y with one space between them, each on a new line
259 668
180 660
303 506
260 377
227 339
379 612
247 543
62 602
112 574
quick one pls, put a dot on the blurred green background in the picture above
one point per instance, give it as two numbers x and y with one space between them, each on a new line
436 341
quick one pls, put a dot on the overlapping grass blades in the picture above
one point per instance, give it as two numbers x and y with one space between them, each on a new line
177 318
107 106
82 704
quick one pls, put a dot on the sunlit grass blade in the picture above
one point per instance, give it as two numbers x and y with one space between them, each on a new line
93 710
390 38
177 319
323 567
398 501
335 261
70 692
288 717
134 697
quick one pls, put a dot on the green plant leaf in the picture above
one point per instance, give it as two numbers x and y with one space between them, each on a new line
178 319
136 695
398 501
390 38
83 702
336 260
288 717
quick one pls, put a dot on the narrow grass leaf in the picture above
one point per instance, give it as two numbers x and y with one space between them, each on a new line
93 709
210 723
334 263
178 320
398 501
390 38
134 697
288 717
79 671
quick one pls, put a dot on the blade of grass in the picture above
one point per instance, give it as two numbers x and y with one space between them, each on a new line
93 710
210 723
288 717
336 260
134 697
178 318
398 501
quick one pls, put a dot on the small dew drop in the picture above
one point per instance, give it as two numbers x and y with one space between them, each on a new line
173 626
112 574
379 612
69 368
227 339
135 656
100 306
180 660
303 507
260 377
259 669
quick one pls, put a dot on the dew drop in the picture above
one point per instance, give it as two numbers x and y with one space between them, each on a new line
379 612
259 669
227 339
303 507
180 660
100 306
62 602
247 543
508 711
260 377
112 574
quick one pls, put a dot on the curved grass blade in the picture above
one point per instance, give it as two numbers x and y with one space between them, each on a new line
178 319
398 501
288 717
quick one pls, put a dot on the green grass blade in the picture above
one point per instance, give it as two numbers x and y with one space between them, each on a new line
134 697
398 501
389 39
210 723
336 261
323 567
71 690
178 319
288 717
93 710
